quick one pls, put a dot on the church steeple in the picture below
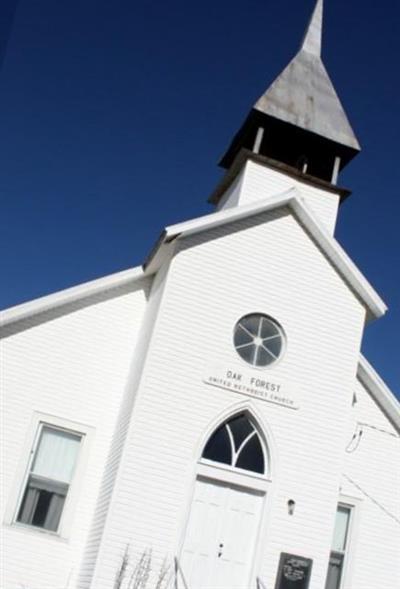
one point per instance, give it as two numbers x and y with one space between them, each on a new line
299 121
312 42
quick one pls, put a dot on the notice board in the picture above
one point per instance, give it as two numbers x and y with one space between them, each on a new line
294 572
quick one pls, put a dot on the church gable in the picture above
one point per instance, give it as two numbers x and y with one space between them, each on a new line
292 200
267 264
299 225
262 265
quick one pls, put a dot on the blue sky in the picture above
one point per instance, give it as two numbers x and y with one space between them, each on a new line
114 114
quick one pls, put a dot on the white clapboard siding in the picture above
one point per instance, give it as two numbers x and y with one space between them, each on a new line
73 367
371 473
270 265
258 181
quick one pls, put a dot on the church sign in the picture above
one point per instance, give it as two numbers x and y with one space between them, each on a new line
251 383
294 572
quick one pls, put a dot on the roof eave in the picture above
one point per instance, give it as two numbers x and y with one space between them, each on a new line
380 392
349 142
163 250
69 296
373 303
245 155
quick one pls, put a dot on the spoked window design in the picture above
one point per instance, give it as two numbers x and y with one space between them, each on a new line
258 339
237 443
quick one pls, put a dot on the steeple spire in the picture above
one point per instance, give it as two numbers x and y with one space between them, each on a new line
299 120
312 42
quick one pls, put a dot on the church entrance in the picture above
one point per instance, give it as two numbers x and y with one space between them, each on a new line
222 530
221 536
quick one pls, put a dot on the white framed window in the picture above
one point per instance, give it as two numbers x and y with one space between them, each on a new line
259 340
237 443
50 473
338 575
49 476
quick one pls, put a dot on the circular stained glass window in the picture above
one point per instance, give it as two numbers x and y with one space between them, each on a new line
258 339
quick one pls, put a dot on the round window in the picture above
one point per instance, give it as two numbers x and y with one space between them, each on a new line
258 339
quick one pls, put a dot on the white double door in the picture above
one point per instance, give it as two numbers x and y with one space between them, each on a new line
221 536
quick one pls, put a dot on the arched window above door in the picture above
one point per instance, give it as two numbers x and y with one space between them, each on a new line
238 444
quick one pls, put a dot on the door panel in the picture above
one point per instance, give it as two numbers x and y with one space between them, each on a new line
202 533
221 536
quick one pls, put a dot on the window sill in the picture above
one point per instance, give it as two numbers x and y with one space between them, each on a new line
35 531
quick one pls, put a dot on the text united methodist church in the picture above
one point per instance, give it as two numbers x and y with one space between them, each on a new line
206 421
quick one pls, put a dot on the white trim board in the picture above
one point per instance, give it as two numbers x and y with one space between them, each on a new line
291 199
379 391
69 296
23 469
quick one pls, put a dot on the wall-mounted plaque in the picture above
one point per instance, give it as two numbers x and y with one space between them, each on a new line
251 383
294 572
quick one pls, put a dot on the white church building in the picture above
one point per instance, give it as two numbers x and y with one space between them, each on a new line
206 421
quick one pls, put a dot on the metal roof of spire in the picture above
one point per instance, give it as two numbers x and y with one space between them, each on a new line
313 38
303 95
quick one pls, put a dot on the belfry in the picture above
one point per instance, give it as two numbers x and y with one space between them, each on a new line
299 120
207 420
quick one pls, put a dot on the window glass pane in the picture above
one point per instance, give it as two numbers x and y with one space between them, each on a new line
274 346
334 571
56 454
48 482
42 503
258 339
251 457
241 427
242 337
268 329
218 447
341 528
264 357
248 353
251 323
